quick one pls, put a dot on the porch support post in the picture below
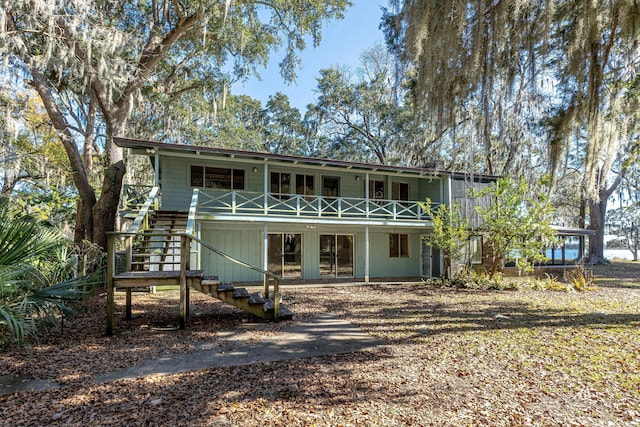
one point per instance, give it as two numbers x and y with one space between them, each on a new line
265 255
366 198
156 168
129 245
265 188
366 254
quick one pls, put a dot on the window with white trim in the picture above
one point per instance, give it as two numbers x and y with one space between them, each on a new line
217 178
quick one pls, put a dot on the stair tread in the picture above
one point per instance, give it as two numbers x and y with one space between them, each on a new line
157 274
225 286
240 293
256 298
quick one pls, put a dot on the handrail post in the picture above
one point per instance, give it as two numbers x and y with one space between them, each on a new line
129 249
276 299
111 263
266 285
184 295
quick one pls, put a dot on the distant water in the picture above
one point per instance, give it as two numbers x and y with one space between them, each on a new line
572 254
618 254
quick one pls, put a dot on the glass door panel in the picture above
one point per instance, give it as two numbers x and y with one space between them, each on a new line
344 255
292 255
274 254
327 255
426 260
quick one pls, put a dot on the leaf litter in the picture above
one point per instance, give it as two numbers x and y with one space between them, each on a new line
454 357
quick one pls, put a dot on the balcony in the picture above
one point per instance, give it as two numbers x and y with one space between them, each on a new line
244 203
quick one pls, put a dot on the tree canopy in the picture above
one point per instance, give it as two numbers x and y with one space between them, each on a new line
563 74
99 61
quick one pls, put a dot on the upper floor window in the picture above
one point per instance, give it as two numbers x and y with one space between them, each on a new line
376 189
400 191
280 183
217 178
304 185
331 186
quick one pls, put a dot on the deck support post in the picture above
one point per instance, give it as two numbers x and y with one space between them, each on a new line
129 251
184 292
366 254
127 313
265 257
111 264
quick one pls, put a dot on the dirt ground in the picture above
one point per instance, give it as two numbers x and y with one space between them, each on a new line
451 357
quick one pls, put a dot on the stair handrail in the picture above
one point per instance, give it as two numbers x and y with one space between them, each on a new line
191 219
267 274
144 210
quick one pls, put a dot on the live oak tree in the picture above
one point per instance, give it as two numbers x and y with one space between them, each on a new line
364 113
117 52
564 71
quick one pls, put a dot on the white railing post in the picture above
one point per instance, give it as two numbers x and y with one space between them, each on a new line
233 201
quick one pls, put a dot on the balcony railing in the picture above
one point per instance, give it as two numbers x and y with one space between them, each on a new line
249 203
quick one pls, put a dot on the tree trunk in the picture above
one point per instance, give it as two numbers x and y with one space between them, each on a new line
106 208
597 216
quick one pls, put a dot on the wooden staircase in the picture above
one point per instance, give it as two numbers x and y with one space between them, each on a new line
253 303
156 261
157 247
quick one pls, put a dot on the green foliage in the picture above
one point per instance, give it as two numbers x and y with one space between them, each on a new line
449 232
516 224
32 257
365 114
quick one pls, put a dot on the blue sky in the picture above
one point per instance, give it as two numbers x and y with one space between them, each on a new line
342 43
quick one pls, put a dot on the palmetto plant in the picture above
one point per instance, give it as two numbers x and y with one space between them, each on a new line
28 263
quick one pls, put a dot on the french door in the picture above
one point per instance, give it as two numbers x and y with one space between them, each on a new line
336 255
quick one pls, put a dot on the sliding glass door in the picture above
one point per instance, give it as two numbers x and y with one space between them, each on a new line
285 255
336 255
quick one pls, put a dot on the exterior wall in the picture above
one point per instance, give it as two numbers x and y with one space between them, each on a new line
460 196
241 241
432 188
176 188
246 242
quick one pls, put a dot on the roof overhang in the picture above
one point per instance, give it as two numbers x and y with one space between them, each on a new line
573 230
150 148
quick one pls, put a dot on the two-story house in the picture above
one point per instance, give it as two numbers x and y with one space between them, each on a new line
303 218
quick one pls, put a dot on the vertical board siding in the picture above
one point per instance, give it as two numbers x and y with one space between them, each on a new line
241 241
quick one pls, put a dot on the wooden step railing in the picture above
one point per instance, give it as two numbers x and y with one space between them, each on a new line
268 276
186 275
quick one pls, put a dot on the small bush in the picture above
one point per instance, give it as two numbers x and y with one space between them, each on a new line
580 278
